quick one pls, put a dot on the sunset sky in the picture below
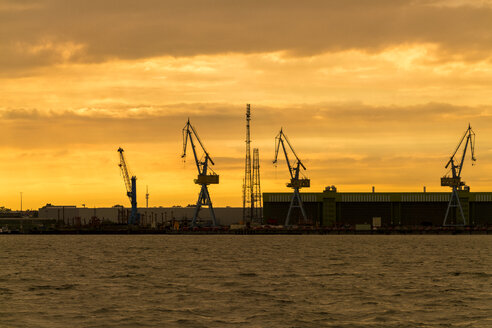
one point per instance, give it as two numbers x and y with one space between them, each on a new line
370 93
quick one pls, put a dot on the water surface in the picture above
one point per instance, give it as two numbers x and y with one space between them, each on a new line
245 281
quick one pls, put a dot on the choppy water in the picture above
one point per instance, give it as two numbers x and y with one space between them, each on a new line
245 281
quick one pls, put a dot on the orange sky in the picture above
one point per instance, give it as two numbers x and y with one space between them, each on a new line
369 93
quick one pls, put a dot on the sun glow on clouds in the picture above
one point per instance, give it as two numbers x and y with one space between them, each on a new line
65 51
405 74
357 118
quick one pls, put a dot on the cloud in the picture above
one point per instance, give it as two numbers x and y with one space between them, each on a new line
56 31
221 125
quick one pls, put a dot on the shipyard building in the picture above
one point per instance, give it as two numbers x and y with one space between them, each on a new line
332 208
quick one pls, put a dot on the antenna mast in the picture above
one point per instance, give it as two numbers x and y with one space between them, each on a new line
147 197
248 204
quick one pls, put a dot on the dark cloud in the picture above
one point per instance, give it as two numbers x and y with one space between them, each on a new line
36 33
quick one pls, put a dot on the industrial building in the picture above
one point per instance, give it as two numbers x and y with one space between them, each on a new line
332 208
72 215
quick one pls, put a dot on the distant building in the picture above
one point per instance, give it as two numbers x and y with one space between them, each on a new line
71 214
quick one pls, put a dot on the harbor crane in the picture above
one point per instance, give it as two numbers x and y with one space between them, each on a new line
131 188
453 179
296 181
205 176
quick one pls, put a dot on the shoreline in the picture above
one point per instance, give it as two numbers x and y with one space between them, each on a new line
256 231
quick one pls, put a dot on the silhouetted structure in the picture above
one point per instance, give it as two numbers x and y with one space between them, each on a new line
256 198
454 181
296 181
204 178
248 203
147 197
131 188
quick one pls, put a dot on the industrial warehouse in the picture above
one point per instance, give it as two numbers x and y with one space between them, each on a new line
378 209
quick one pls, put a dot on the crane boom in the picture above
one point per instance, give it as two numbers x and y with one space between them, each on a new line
469 136
281 139
189 131
124 171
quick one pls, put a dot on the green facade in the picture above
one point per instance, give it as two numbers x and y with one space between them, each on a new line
395 208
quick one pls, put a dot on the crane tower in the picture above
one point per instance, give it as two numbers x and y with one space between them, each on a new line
204 177
131 188
296 181
453 179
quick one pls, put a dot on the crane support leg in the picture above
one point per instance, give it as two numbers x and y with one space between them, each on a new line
134 217
454 202
204 199
295 202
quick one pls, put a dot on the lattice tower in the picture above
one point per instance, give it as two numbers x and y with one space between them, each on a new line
247 182
257 206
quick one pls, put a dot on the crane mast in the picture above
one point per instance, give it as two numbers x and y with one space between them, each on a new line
131 188
296 182
453 179
204 178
